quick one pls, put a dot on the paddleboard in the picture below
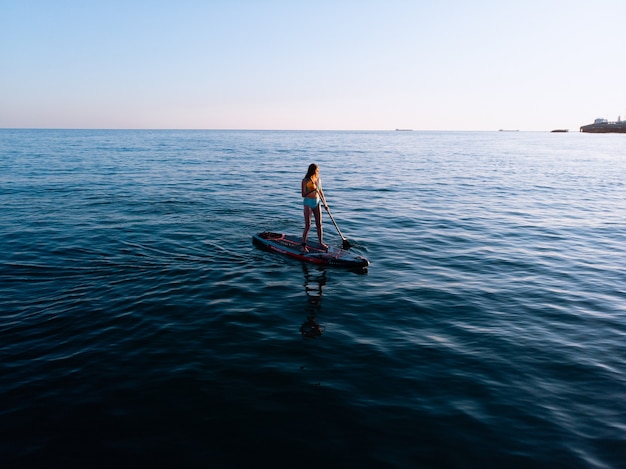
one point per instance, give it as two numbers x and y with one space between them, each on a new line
291 246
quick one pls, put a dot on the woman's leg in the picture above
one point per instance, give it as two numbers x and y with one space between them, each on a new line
307 223
317 211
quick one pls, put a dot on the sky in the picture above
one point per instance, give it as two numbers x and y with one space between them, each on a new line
312 65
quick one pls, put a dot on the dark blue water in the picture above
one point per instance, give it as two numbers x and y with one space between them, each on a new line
139 325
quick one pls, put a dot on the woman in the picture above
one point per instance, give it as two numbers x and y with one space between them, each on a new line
312 195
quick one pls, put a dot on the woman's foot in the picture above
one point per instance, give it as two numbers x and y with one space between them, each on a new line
304 248
324 246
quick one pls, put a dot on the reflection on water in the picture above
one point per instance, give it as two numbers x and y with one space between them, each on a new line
314 281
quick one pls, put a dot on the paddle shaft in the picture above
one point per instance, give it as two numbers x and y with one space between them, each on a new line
346 244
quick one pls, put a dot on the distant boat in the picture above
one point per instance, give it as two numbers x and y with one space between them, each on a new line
559 130
507 130
404 130
603 126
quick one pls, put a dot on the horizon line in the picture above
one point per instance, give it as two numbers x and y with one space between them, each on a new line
402 130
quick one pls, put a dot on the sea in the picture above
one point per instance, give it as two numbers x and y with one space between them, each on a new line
139 325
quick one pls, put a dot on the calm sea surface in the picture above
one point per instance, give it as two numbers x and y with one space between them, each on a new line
140 326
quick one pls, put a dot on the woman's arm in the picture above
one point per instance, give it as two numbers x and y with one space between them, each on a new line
319 189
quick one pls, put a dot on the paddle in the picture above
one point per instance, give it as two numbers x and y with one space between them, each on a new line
345 243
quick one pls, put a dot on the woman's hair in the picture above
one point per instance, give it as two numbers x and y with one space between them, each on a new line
311 171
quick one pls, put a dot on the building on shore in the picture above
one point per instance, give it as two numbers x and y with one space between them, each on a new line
603 126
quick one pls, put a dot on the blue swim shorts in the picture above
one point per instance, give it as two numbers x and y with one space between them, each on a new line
311 202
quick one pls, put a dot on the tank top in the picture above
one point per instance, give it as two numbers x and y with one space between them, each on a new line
310 185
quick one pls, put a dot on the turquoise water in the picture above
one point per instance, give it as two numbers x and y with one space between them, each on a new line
139 324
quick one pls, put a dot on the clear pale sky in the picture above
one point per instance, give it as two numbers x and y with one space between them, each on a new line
243 64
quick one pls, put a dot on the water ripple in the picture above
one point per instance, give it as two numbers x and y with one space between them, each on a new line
139 320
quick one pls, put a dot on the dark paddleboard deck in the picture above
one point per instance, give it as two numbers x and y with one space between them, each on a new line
292 246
